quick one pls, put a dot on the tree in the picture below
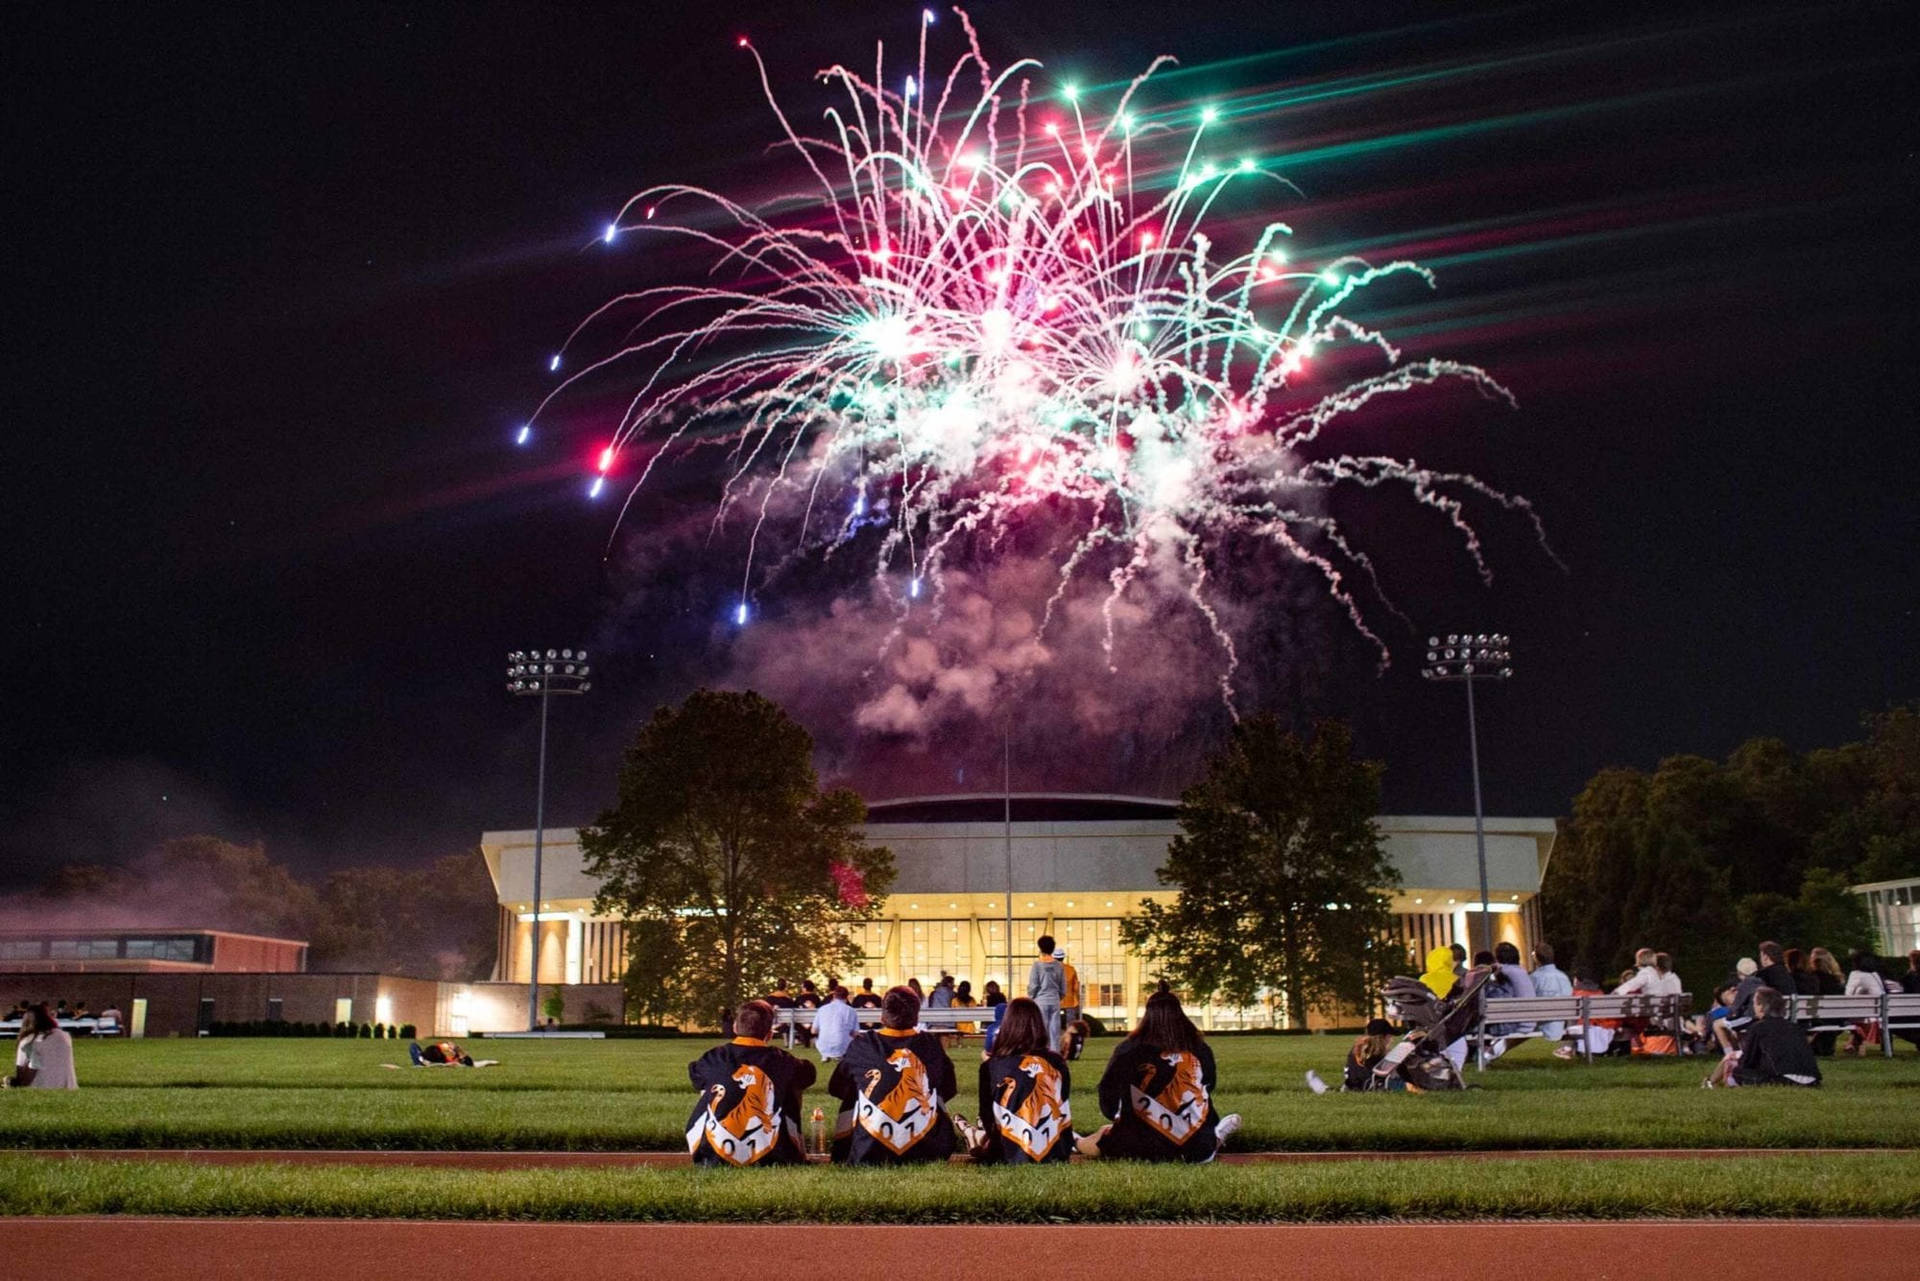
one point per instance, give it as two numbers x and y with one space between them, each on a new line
436 921
1282 876
728 863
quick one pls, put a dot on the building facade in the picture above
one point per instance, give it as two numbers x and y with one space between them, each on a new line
152 951
1895 908
1073 866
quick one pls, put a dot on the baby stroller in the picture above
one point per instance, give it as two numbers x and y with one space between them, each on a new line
1436 1022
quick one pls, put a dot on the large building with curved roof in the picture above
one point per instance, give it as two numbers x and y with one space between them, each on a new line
1072 865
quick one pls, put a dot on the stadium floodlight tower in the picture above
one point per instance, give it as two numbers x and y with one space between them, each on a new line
543 673
1469 658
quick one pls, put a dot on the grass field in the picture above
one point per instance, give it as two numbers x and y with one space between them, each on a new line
1851 1185
633 1095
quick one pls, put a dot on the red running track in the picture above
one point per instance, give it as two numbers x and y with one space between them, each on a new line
115 1249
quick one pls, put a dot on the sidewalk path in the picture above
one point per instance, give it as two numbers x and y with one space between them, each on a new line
113 1249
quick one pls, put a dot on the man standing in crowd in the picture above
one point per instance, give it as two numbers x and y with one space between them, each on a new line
894 1085
1047 985
748 1112
1070 988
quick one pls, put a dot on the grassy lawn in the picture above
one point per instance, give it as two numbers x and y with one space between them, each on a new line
1854 1185
633 1095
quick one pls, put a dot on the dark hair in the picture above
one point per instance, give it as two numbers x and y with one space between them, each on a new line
913 986
1506 953
1023 1029
1769 951
1913 959
806 985
1459 953
38 1020
839 993
900 1008
1766 1001
965 988
1663 962
1861 960
1045 944
1379 1027
1542 954
1166 1026
1795 960
1483 958
866 985
754 1019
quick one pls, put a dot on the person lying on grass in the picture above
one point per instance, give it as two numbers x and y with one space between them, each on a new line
1772 1051
893 1085
748 1112
442 1054
1025 1116
1158 1092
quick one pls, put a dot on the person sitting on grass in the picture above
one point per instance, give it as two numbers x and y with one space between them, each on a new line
1025 1116
1367 1051
1074 1039
866 998
894 1085
748 1110
1157 1092
1772 1051
43 1056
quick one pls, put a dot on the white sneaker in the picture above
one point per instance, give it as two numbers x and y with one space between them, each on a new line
1226 1128
1315 1084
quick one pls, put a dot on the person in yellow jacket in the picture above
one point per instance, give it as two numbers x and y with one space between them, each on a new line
1439 977
1070 997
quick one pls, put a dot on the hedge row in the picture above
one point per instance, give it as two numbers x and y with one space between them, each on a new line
281 1027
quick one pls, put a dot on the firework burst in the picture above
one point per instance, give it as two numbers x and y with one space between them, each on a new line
997 300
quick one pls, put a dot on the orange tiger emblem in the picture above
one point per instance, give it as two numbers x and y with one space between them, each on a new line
902 1116
1181 1106
1042 1118
749 1130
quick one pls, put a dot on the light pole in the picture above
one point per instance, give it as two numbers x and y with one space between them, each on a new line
545 673
1469 658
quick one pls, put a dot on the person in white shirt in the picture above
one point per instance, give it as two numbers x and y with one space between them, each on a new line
1645 976
1550 980
834 1025
1665 981
43 1057
1863 980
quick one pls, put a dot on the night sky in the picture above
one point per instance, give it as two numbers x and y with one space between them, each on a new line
283 283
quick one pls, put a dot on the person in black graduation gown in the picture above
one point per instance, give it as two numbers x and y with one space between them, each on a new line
748 1112
894 1085
1158 1092
1025 1114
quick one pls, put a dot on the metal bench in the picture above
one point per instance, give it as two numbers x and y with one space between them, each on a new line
941 1020
1893 1011
1667 1011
